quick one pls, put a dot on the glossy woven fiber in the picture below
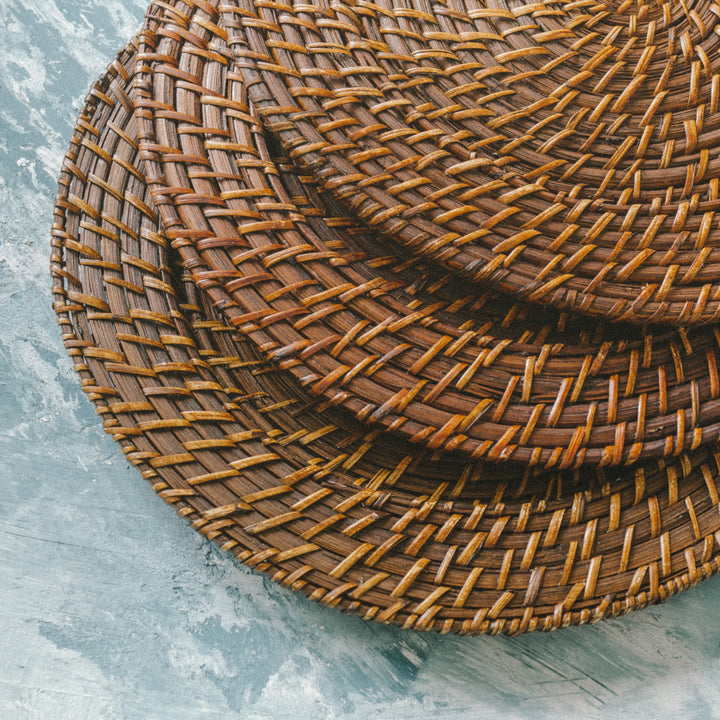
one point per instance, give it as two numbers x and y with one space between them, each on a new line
349 401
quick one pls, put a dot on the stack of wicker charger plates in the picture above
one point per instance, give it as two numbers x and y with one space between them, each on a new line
410 305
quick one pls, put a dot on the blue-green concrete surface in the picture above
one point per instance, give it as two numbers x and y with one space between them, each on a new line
112 608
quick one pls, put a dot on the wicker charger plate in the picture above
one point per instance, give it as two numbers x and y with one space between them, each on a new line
296 488
443 370
561 151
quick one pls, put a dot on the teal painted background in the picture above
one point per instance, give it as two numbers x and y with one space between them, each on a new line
111 608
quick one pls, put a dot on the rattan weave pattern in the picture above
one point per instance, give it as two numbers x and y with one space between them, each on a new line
281 473
562 151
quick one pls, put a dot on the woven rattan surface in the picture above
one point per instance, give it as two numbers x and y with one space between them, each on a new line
338 407
560 150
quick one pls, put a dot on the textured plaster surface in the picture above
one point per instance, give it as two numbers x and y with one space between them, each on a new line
112 608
